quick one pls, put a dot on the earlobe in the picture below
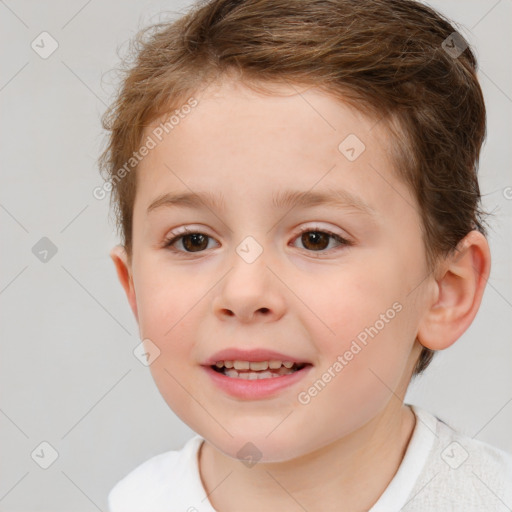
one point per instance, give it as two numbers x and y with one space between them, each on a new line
458 294
123 267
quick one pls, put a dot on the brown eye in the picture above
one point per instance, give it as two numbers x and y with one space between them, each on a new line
194 242
315 240
191 242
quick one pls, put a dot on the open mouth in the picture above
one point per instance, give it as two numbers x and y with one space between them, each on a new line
255 370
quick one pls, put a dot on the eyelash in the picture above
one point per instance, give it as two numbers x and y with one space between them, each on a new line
169 242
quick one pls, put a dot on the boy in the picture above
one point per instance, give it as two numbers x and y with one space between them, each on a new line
295 184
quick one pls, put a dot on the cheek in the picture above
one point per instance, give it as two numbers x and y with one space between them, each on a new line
168 309
165 301
364 340
356 379
356 303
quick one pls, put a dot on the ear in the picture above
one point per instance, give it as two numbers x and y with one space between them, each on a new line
124 273
458 292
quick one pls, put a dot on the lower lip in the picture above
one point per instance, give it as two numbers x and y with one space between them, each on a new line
256 389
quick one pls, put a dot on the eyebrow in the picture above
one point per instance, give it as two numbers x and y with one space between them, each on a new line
341 199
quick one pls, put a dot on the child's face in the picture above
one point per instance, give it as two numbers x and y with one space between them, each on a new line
304 296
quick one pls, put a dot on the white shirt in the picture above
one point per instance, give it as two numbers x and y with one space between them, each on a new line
442 470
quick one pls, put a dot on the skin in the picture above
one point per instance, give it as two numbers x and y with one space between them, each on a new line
341 450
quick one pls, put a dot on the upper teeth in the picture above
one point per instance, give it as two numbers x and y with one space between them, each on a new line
254 365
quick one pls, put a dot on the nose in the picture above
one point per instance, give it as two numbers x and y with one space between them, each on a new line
250 292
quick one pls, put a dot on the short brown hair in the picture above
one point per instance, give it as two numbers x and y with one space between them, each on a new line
389 58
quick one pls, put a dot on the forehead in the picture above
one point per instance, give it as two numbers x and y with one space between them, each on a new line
295 139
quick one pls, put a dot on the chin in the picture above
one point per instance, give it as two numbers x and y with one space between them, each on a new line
251 448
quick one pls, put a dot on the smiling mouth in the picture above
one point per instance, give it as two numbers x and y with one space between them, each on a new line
255 370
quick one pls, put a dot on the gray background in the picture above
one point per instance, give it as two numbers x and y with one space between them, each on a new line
68 374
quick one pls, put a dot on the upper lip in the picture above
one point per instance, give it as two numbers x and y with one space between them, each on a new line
252 355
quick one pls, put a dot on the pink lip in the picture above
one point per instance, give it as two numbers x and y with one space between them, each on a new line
255 389
254 355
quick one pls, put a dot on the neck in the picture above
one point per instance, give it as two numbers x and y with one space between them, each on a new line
351 472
